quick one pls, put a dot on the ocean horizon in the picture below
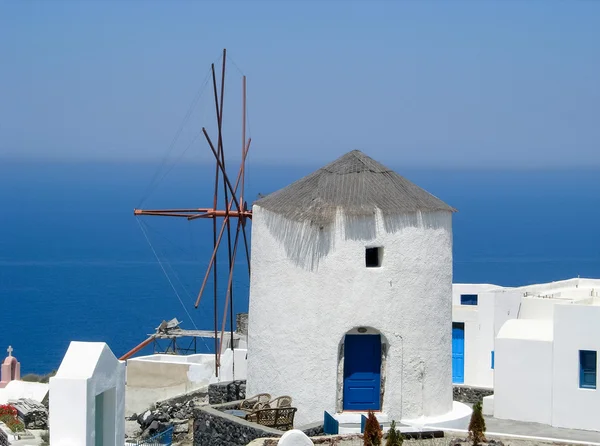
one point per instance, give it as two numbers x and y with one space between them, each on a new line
75 263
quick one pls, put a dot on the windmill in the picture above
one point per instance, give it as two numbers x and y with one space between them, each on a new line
234 215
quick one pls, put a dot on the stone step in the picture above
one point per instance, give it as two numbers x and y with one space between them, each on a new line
355 417
350 422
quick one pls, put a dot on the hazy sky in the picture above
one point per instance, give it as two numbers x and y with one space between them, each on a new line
428 83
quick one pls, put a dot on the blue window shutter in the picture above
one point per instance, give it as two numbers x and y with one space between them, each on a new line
492 359
587 369
468 299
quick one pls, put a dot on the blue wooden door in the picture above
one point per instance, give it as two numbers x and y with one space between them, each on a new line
458 352
362 372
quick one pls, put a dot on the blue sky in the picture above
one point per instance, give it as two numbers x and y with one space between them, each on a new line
428 83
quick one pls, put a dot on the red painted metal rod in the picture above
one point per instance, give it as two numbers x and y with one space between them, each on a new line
220 164
134 350
228 295
218 242
167 211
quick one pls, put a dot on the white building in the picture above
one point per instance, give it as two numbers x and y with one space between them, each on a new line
87 397
478 313
544 352
350 294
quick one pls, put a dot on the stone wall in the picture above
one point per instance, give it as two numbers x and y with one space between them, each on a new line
215 428
175 411
470 395
226 392
330 440
312 430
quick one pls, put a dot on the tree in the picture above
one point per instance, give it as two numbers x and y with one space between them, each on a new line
394 437
477 425
372 435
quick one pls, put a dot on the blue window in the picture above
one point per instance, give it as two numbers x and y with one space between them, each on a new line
468 299
587 369
492 359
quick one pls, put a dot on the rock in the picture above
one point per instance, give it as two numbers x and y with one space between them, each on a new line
132 429
175 412
33 413
161 416
179 421
179 415
145 419
181 428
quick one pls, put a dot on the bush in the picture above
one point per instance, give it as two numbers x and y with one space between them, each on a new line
35 378
477 425
8 415
372 435
394 437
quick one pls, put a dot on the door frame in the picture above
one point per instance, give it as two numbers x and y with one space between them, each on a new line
339 406
459 325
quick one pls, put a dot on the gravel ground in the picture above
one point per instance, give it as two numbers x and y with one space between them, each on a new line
440 442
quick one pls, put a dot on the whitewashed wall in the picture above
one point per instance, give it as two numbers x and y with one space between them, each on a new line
470 288
158 377
482 323
507 305
87 370
537 308
523 378
306 293
576 327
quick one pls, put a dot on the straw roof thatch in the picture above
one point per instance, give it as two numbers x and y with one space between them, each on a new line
355 184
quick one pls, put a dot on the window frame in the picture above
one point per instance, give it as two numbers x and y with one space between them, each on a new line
586 368
378 252
466 302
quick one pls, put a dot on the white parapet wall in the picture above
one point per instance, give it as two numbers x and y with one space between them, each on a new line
23 389
457 418
158 377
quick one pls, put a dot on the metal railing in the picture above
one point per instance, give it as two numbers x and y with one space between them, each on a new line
164 438
3 439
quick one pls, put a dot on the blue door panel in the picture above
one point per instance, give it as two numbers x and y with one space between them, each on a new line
362 372
458 352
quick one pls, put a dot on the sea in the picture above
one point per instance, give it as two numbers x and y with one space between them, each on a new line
76 264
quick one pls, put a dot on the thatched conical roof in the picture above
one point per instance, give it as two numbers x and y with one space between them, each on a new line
355 184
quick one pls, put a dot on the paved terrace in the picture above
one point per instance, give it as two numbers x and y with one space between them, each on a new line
520 429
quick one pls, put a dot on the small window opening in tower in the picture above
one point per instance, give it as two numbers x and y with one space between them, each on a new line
373 257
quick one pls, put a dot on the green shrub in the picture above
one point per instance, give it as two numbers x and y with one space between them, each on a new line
32 378
35 378
372 435
477 425
394 437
